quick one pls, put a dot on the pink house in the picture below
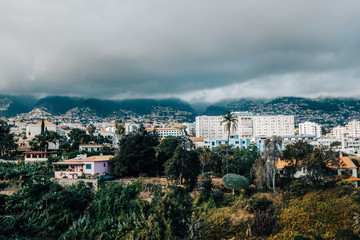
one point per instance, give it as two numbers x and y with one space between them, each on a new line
76 167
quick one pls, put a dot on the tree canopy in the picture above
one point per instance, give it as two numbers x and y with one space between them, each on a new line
137 154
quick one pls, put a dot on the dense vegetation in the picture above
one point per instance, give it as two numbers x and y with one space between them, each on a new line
41 208
8 144
219 193
314 206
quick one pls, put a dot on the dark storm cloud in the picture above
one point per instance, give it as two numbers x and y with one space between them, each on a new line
190 49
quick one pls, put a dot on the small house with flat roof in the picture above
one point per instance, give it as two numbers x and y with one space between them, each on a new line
83 165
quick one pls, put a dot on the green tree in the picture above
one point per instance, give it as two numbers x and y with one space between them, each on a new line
335 144
120 128
235 182
91 129
230 121
8 145
243 160
137 154
76 137
219 155
294 154
41 141
166 150
317 168
183 167
205 157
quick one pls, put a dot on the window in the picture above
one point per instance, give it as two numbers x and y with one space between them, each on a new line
88 166
104 164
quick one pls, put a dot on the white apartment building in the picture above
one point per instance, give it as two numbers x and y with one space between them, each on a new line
131 127
310 128
210 127
353 129
245 124
249 125
339 132
164 132
279 125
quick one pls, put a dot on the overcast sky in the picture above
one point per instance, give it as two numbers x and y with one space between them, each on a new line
192 49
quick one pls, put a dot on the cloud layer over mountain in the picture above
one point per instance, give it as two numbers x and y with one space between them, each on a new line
196 50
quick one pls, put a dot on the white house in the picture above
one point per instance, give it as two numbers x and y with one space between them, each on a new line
35 129
91 147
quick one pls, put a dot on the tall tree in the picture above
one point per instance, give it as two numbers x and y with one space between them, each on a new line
205 157
8 145
91 129
41 141
294 154
120 128
182 129
78 136
317 166
231 122
183 167
137 154
271 153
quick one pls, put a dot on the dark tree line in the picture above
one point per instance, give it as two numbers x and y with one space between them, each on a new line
8 145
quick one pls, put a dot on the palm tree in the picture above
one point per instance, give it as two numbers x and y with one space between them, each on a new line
91 129
271 153
182 129
231 123
120 128
42 140
205 158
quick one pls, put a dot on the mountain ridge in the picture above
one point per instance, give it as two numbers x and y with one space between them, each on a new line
329 111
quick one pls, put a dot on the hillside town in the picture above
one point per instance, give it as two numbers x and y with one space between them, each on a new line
206 131
236 157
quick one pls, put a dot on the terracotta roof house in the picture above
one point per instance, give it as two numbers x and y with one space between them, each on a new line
344 163
83 165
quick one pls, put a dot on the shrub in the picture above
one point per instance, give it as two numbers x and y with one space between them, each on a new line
297 188
346 234
262 224
321 211
219 226
235 182
256 204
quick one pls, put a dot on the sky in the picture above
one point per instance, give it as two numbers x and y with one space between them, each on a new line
196 50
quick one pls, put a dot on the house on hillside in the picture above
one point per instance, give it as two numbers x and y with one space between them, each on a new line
345 164
35 157
83 165
35 129
111 136
91 147
198 141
